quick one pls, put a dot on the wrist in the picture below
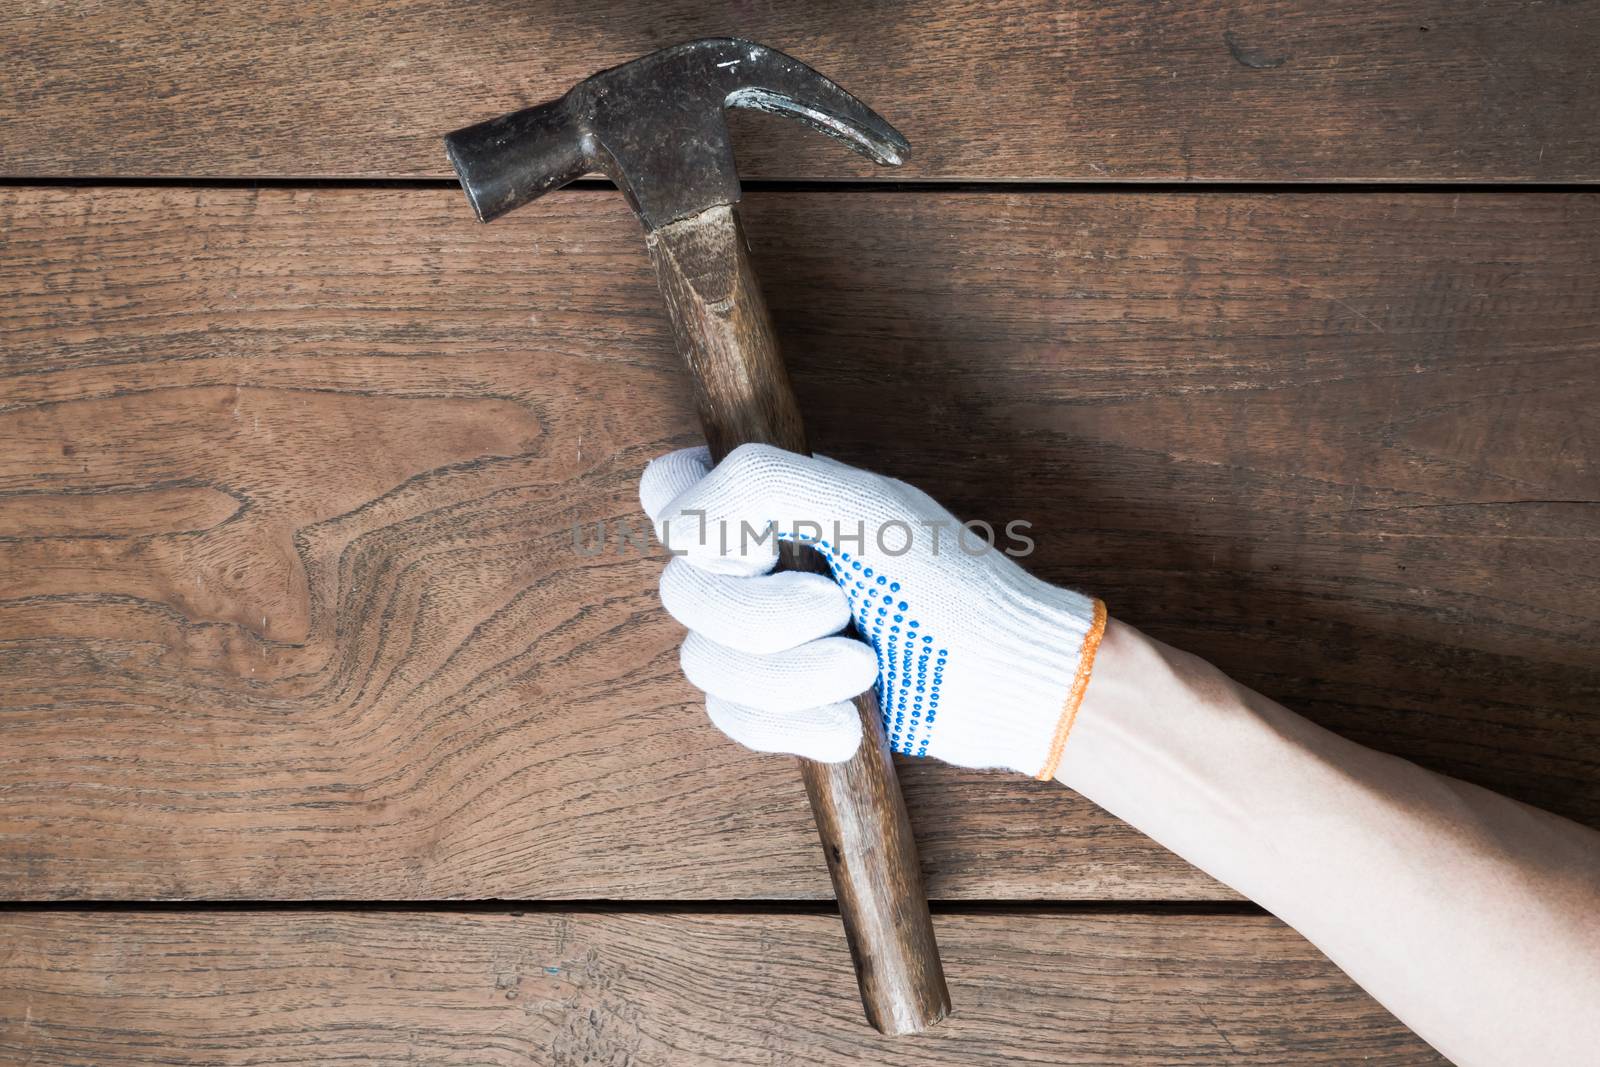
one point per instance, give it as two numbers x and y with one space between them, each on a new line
1159 728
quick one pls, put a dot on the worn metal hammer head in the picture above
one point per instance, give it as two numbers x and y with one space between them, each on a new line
655 126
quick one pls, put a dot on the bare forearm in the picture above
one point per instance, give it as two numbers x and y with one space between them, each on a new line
1469 915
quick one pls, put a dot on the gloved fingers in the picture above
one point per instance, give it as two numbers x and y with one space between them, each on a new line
729 519
825 671
764 614
669 476
828 733
718 547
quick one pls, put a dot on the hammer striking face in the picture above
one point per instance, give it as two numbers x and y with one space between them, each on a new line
655 126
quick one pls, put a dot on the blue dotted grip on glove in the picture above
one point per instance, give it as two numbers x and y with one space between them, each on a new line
907 694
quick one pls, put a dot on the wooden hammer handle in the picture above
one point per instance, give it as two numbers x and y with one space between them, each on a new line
725 336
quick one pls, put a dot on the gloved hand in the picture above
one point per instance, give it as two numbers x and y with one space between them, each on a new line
976 662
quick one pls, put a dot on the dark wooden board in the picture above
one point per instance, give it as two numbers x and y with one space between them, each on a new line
1274 90
288 478
565 989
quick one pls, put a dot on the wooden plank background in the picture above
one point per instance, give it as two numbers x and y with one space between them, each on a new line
290 608
299 612
389 987
1419 90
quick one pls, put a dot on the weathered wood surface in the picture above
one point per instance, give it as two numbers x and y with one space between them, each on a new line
557 989
288 481
1267 90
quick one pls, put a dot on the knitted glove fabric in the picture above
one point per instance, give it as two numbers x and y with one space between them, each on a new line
976 662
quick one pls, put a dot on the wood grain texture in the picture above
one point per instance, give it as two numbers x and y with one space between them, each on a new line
292 607
1284 90
567 989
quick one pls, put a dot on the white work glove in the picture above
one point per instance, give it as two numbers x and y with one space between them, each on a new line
976 662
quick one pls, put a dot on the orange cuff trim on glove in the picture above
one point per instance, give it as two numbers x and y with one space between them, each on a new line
1080 682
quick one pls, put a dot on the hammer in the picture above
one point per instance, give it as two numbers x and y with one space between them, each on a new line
655 127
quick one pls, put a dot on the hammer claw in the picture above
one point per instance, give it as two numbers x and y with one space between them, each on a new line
875 139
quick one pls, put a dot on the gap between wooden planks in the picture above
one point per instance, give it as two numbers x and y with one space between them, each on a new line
288 482
1266 90
219 988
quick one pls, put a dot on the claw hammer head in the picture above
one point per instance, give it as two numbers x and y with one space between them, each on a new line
655 127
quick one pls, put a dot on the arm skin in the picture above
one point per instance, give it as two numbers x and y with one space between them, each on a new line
1472 917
